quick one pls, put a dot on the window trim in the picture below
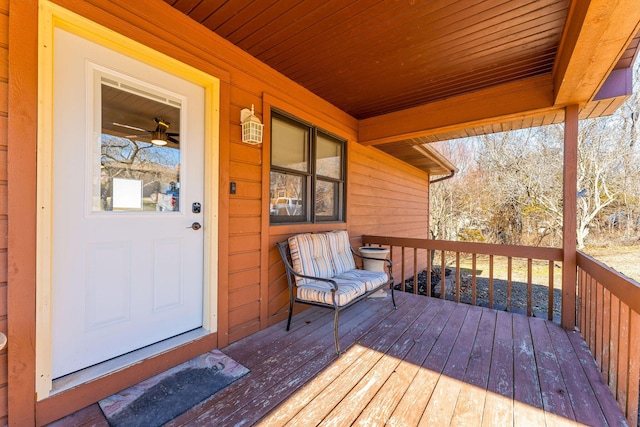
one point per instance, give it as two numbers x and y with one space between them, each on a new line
311 178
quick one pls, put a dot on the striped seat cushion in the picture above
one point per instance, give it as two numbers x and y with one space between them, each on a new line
340 247
317 291
310 255
371 279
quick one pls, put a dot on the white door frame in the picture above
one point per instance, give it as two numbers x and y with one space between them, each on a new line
52 16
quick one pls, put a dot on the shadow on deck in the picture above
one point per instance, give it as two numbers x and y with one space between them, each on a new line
431 362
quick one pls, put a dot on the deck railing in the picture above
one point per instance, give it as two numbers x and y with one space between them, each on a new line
608 317
417 255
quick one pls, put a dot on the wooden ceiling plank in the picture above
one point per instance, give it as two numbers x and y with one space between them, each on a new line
469 59
440 41
405 87
184 6
299 17
244 37
357 40
595 37
393 98
367 102
315 25
226 12
505 27
341 21
629 56
241 25
203 10
366 29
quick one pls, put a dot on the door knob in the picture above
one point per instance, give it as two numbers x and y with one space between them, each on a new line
195 226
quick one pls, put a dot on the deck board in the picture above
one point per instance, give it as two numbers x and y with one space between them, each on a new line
332 395
380 409
555 399
442 404
576 381
413 404
528 409
429 362
498 406
469 407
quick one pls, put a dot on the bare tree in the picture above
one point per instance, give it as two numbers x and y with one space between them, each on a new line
522 194
453 208
509 189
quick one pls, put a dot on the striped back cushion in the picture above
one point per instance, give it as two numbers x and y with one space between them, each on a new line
340 251
310 256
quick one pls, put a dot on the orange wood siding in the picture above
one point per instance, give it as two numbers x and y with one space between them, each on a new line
388 198
252 292
386 195
4 74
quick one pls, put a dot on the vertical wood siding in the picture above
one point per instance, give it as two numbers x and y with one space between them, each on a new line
4 73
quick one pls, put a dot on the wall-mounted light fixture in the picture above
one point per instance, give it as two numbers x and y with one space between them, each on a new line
251 126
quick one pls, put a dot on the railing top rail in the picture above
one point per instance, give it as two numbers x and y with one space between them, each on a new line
623 287
549 254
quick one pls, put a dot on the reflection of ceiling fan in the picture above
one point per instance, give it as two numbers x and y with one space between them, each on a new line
159 136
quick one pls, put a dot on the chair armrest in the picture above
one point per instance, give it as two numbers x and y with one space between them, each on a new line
320 279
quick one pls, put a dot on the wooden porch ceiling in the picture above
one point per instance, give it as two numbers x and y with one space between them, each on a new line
420 71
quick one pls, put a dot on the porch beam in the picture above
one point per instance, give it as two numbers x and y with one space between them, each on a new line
595 37
21 233
570 189
531 97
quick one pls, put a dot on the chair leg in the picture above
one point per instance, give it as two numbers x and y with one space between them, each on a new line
393 299
290 313
335 331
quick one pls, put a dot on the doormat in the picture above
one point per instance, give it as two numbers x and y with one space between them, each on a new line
160 399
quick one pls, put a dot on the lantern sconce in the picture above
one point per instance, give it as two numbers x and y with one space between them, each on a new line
251 126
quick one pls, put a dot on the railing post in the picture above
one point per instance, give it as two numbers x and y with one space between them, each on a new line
570 178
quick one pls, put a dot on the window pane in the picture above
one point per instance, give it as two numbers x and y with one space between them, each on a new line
329 157
287 195
289 145
131 172
326 196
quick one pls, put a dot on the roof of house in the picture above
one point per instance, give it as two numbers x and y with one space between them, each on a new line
414 71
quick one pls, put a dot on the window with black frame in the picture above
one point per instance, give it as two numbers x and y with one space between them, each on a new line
307 173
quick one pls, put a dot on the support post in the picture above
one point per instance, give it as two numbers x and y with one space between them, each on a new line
570 178
21 131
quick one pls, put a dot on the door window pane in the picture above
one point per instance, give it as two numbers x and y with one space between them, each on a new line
328 157
139 149
292 150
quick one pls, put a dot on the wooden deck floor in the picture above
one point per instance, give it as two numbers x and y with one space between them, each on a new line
431 362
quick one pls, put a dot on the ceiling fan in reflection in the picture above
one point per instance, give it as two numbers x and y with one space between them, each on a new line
159 136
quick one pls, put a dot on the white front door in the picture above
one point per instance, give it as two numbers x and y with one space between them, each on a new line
127 267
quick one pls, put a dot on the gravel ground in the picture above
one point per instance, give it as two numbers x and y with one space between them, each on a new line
539 293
